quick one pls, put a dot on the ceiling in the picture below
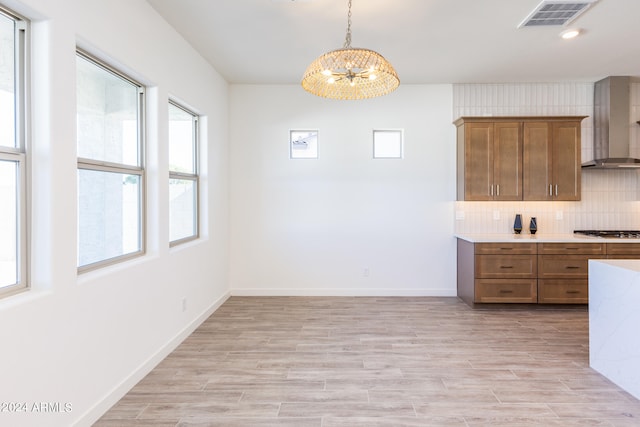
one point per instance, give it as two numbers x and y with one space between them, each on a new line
427 41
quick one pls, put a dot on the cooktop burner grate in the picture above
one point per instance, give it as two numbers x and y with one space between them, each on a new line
620 234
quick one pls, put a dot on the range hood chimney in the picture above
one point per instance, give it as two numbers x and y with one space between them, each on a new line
612 122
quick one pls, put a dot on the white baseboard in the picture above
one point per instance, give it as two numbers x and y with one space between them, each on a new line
344 292
100 408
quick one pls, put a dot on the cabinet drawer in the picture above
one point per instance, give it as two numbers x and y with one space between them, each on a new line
623 250
506 266
506 290
572 248
552 291
506 248
563 266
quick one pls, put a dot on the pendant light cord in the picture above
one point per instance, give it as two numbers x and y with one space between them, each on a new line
347 41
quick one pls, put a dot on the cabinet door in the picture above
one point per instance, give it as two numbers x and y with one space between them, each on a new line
623 250
506 248
506 291
537 161
507 161
564 266
566 161
597 249
506 266
478 167
561 291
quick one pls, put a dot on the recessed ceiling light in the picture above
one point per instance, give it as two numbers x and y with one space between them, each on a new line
571 33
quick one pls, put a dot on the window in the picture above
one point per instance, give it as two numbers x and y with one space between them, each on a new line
110 124
183 174
13 176
387 144
303 144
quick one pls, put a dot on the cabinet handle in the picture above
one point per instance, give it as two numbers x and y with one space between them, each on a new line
498 190
571 249
505 291
491 190
556 190
572 267
573 292
506 249
506 266
550 190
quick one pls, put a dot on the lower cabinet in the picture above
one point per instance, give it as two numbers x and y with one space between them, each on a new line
561 291
545 273
505 272
506 290
563 271
497 272
623 250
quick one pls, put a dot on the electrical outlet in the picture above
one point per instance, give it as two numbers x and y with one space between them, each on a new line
459 215
365 272
496 215
184 304
559 215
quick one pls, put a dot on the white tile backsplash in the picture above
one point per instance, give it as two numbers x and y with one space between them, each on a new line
609 197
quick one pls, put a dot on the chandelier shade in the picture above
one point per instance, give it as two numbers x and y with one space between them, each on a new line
350 73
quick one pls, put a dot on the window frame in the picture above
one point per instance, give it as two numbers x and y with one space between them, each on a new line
194 177
18 153
121 168
293 141
396 132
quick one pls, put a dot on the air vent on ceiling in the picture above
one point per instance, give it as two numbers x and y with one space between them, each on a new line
555 12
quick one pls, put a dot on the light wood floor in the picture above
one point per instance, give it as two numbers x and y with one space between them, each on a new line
329 362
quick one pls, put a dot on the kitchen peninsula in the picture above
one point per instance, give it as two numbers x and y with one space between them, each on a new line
614 316
533 269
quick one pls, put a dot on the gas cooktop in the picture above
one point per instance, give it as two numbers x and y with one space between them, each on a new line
619 234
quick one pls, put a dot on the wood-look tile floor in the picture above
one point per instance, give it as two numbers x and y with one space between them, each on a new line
337 362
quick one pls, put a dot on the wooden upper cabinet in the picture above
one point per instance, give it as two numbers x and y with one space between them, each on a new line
519 158
477 140
507 161
552 160
567 154
538 159
490 156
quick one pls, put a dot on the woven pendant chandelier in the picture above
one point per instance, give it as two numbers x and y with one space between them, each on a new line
350 73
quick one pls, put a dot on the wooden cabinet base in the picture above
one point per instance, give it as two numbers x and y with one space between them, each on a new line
531 273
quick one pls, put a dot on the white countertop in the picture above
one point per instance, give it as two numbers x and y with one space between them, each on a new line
538 238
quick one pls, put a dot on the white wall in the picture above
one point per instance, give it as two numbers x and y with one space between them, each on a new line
609 197
312 227
85 340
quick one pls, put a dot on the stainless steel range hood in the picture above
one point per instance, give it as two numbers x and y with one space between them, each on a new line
612 122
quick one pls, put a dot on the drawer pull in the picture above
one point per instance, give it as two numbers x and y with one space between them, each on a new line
571 249
572 267
505 291
506 266
506 249
573 292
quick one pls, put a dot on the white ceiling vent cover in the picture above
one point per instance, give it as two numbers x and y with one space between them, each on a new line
555 12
